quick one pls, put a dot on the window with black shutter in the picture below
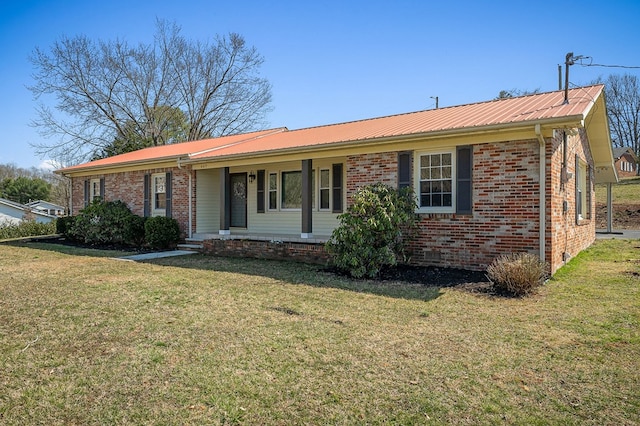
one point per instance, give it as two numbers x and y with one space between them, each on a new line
464 187
337 188
404 169
260 192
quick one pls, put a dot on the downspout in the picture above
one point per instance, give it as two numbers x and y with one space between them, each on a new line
543 191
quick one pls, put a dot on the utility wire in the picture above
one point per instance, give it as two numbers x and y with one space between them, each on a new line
608 66
591 64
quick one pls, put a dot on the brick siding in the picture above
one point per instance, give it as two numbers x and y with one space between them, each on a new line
506 204
301 252
129 188
567 236
505 216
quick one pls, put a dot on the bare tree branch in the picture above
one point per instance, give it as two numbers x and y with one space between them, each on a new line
108 90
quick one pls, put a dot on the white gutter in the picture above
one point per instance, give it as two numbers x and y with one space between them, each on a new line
543 190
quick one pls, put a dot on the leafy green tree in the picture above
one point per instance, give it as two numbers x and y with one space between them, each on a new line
374 231
23 189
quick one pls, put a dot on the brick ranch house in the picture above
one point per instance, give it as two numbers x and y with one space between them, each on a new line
496 177
626 162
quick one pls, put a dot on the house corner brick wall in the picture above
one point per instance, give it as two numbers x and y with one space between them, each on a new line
506 205
567 237
129 188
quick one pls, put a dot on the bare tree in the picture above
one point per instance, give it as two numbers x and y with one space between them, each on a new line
623 109
107 89
504 94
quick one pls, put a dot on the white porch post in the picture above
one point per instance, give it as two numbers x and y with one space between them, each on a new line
307 193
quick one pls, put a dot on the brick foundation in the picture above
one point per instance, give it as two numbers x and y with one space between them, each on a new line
300 252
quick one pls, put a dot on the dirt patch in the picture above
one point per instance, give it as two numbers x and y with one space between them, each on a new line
625 216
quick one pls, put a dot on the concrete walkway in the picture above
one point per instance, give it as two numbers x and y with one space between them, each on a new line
155 255
623 234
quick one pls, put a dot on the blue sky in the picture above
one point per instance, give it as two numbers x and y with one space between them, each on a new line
334 61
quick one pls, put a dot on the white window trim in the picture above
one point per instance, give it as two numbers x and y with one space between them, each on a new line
93 193
328 188
583 188
315 185
416 180
154 210
277 191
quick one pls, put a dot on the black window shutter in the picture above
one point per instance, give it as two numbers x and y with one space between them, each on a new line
404 169
337 188
464 187
102 189
167 189
146 195
260 193
87 192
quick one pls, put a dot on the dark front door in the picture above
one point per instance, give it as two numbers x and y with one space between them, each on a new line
238 190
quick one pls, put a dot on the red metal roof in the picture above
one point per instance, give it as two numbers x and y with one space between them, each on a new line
496 113
176 150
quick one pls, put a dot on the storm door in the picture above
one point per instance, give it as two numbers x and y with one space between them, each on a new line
238 182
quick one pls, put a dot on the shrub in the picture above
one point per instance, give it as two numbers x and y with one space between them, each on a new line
374 231
25 229
64 225
134 233
161 232
102 222
517 274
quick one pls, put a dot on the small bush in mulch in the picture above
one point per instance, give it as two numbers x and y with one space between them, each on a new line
517 274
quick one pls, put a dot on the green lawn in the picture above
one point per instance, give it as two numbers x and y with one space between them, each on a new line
625 191
201 340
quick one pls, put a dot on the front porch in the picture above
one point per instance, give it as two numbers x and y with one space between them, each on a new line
264 246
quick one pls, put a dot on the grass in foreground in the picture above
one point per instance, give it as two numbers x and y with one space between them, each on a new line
202 340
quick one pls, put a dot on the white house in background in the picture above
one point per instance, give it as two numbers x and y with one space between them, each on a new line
46 207
15 213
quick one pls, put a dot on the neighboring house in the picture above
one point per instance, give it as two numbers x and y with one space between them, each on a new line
47 207
14 213
476 169
626 162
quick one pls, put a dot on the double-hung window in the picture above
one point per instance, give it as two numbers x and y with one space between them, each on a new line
273 191
94 189
324 188
583 191
442 179
436 183
159 185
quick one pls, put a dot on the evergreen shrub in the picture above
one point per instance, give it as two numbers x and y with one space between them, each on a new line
374 231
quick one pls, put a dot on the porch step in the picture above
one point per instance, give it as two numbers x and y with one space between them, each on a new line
190 246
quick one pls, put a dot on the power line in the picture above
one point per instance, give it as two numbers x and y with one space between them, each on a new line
591 64
608 66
